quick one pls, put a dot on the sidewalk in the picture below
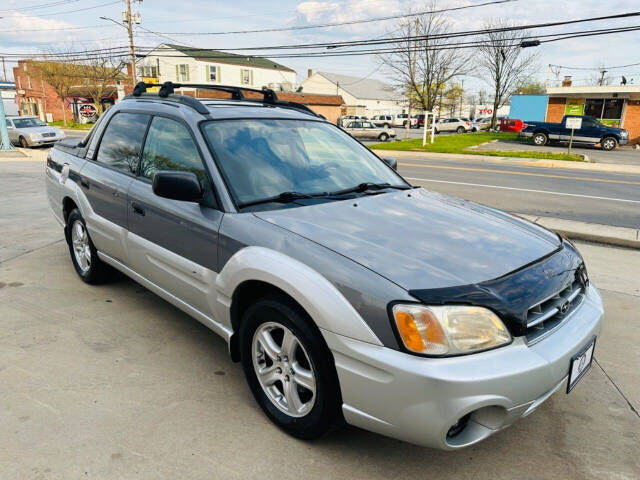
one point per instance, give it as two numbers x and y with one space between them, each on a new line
592 232
529 162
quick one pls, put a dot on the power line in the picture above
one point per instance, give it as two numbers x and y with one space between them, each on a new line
350 22
596 68
69 11
37 7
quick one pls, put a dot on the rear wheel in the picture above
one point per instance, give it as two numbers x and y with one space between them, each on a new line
540 139
383 137
289 368
83 253
460 130
608 143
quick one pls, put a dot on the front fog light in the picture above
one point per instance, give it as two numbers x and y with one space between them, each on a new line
448 330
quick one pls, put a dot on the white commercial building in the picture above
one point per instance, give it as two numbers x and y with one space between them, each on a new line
178 63
361 96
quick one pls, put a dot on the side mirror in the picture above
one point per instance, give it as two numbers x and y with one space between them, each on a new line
392 162
183 186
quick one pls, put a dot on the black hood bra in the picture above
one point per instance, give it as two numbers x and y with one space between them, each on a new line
511 295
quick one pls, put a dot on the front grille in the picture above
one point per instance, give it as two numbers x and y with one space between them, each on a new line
48 134
550 313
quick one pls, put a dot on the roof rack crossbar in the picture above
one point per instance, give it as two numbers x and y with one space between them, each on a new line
268 96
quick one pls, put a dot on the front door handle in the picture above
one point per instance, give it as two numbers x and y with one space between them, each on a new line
137 209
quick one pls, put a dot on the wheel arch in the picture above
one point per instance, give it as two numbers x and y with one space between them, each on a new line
256 271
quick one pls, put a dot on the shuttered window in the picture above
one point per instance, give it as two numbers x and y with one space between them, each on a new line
182 73
213 73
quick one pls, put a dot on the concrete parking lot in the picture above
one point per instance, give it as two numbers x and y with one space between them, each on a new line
112 382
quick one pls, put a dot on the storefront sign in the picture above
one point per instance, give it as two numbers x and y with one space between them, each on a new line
88 110
574 107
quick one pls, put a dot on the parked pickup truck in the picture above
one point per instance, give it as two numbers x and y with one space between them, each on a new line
591 133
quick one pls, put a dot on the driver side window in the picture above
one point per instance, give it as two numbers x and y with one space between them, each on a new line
169 146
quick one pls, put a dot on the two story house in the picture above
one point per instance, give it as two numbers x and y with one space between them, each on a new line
178 63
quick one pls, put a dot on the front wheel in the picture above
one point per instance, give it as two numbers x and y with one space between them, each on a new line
608 143
383 137
289 368
435 131
23 142
540 139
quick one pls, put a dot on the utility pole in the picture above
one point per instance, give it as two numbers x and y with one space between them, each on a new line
4 70
461 96
129 21
602 73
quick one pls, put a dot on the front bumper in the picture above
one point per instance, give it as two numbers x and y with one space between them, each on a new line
418 399
623 140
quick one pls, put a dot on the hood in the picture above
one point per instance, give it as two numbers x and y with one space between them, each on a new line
43 129
420 239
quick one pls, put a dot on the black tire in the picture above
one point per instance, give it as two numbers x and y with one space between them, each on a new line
326 414
98 272
608 143
383 137
540 139
460 130
23 142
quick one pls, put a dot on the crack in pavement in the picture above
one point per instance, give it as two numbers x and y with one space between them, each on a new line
30 251
633 409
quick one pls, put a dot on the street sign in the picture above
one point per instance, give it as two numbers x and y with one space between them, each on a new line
574 123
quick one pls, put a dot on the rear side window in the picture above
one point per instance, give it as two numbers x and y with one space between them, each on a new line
122 141
169 146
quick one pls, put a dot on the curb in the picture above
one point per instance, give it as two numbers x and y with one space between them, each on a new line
530 162
591 232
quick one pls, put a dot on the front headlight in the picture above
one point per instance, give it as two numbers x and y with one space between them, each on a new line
34 136
448 330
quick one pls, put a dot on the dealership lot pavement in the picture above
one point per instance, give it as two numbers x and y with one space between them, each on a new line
113 382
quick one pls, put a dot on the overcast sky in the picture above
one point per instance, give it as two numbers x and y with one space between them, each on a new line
18 28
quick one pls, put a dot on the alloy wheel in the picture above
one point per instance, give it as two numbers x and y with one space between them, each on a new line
81 248
283 369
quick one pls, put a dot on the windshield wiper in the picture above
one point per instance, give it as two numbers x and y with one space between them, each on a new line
363 187
284 197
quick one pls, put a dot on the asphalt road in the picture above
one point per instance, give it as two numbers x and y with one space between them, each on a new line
112 382
595 197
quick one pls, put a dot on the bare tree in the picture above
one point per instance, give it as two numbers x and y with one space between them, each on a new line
419 63
100 76
61 76
502 62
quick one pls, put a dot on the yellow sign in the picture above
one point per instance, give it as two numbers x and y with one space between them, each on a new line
151 80
575 106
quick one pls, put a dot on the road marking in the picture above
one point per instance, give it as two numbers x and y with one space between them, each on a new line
525 190
528 174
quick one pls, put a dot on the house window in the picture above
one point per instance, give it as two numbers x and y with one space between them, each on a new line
246 77
213 73
182 73
149 71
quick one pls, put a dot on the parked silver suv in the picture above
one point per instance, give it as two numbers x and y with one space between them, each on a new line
346 293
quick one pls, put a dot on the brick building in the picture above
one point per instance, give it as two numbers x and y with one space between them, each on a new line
615 105
37 98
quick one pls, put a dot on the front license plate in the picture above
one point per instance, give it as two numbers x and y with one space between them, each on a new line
580 363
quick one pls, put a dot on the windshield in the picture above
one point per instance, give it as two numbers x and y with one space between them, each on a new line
264 158
28 122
